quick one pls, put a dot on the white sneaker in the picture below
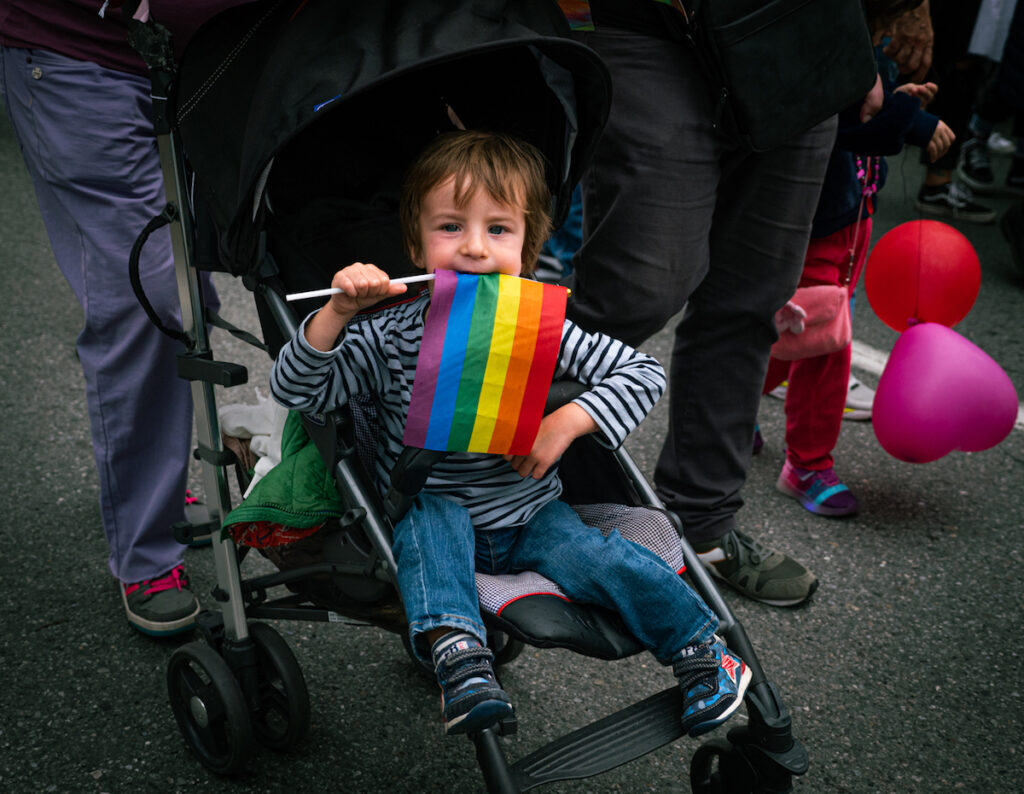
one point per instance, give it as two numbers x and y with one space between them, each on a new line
1000 144
779 392
859 400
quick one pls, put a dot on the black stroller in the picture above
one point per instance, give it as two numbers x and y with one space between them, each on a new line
284 135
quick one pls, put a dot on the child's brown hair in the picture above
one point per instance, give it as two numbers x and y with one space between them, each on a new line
510 170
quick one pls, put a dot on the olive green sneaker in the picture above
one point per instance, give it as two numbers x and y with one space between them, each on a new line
756 571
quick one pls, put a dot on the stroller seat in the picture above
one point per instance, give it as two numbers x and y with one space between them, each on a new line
532 608
525 606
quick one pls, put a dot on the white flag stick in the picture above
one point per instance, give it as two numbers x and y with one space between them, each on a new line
319 293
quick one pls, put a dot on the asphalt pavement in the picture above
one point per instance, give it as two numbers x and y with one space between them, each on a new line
903 674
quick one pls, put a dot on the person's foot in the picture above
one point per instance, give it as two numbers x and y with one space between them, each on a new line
756 571
820 492
953 200
161 606
1000 144
859 400
1012 224
975 166
713 682
471 698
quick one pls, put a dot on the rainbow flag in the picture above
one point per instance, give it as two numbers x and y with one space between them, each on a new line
490 345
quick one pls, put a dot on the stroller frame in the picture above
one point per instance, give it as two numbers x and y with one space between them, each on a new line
761 756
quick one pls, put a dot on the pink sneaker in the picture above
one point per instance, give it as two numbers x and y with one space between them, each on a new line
821 492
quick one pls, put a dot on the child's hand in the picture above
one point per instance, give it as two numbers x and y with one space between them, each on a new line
557 431
362 286
942 139
925 92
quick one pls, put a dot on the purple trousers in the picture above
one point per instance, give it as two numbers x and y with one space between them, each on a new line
87 139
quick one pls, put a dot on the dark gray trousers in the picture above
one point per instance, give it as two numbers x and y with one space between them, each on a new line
674 217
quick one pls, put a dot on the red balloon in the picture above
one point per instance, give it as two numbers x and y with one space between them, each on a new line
922 271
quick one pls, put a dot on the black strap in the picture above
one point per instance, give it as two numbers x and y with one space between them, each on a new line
214 319
168 215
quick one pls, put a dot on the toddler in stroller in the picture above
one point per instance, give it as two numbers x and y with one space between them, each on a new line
477 202
286 131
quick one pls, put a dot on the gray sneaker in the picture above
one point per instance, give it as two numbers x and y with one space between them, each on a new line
756 571
161 606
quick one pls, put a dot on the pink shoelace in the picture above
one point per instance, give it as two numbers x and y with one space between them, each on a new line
175 579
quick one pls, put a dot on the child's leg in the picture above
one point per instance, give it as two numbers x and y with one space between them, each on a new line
434 548
778 371
815 400
816 395
655 603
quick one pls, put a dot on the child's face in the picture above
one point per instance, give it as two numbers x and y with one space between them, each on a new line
482 236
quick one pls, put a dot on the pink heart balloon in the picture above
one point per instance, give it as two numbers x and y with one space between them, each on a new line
940 392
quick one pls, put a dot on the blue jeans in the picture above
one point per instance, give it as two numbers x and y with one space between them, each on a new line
437 550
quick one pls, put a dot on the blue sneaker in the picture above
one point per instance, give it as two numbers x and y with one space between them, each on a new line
471 698
713 682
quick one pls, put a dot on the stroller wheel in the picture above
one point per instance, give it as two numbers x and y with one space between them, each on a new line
208 704
281 720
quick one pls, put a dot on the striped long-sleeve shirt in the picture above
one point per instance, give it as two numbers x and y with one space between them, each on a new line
377 356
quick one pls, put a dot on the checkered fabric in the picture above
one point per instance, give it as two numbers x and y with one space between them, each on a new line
649 528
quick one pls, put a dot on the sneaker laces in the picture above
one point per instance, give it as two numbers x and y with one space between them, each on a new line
746 547
174 579
468 663
828 478
694 668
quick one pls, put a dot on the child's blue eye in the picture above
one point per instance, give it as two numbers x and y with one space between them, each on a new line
496 230
450 227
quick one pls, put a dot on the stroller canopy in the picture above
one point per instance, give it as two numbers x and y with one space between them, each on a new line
284 103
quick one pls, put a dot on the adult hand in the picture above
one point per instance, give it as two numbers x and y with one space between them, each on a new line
911 44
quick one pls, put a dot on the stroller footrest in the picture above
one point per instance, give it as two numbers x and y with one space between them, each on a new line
607 743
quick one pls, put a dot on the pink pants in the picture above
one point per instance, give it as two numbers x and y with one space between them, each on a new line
816 394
